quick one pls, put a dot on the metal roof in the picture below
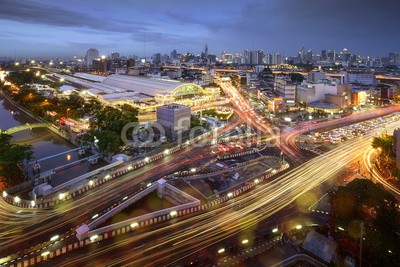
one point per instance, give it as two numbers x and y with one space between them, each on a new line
148 86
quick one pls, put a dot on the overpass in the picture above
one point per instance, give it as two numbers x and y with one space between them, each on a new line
27 126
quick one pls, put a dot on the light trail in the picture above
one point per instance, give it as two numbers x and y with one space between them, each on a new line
241 213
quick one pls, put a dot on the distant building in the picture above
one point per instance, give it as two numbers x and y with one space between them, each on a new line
91 55
286 89
276 59
360 76
174 118
114 55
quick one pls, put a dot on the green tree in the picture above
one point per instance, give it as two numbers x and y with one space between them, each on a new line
384 142
10 156
296 77
108 141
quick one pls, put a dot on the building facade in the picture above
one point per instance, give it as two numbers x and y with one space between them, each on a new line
174 118
91 55
286 89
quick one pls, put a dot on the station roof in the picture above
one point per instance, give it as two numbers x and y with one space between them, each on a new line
148 86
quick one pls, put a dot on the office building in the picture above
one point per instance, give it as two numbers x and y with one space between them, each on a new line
286 89
91 55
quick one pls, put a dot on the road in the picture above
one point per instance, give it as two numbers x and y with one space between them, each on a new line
169 244
21 227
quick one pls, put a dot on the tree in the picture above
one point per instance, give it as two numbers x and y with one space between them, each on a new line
108 141
384 142
362 200
296 77
10 156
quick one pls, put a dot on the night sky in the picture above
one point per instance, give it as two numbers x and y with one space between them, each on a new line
40 28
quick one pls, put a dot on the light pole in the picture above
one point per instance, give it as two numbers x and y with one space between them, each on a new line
68 112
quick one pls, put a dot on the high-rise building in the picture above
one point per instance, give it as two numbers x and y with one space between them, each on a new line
223 53
331 55
257 57
114 55
276 59
157 58
246 57
394 59
91 54
205 50
309 57
323 55
174 54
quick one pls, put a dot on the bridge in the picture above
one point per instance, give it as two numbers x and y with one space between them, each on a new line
27 126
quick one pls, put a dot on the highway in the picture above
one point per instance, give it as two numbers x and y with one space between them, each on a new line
169 244
24 228
21 227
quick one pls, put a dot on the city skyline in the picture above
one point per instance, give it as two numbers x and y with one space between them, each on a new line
49 29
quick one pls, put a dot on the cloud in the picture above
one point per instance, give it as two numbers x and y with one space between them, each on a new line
32 12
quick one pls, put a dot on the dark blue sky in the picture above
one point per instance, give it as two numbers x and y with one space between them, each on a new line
32 28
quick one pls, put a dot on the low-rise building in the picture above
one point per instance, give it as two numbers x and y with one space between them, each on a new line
174 118
325 90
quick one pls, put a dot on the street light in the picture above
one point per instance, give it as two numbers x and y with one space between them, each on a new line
221 250
245 241
54 238
44 254
68 111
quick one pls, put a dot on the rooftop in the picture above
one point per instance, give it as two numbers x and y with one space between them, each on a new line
148 86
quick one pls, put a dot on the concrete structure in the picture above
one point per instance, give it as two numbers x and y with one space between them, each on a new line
316 76
174 118
177 197
320 246
91 54
360 76
286 89
325 90
396 145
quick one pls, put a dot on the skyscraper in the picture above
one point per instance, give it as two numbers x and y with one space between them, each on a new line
223 53
246 56
91 54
